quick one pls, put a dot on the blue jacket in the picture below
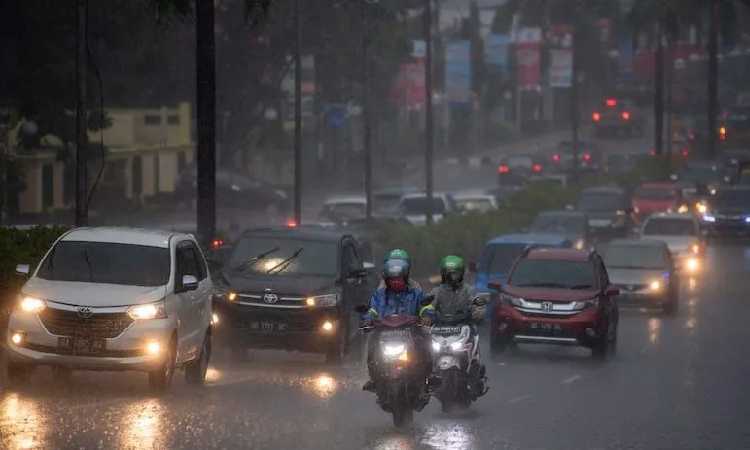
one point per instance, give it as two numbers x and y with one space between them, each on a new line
409 302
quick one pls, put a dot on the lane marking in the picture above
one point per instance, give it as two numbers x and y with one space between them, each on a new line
570 380
519 399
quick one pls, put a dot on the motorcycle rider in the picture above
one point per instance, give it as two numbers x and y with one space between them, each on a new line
399 295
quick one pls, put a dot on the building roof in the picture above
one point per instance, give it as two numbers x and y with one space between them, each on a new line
123 235
558 254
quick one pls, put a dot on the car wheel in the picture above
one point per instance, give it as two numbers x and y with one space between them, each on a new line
602 345
19 374
160 379
195 371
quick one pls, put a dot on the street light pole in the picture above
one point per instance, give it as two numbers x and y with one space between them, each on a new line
81 212
367 132
297 114
428 108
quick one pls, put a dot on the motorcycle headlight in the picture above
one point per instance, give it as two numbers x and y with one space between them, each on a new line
32 304
323 301
683 209
692 264
393 351
702 208
148 311
695 248
436 346
655 286
457 346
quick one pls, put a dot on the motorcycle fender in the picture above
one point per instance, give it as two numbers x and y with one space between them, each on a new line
446 362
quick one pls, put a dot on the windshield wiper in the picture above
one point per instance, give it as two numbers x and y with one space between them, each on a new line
256 258
280 267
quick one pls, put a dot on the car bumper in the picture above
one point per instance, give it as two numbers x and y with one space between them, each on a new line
124 352
642 299
578 329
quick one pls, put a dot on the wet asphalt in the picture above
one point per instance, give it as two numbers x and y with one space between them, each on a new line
678 382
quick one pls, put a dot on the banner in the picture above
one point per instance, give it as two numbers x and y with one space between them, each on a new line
528 58
458 71
496 53
561 68
409 88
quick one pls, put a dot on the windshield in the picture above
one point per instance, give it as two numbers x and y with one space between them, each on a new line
499 258
346 210
553 274
670 227
732 199
475 204
655 194
551 223
103 262
634 257
317 258
601 202
419 205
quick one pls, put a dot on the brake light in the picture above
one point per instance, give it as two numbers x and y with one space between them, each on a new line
556 157
596 117
611 102
587 157
291 223
217 244
652 152
536 168
625 115
503 169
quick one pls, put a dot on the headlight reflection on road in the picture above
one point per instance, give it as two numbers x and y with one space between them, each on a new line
21 424
142 425
450 436
323 385
213 375
692 284
654 330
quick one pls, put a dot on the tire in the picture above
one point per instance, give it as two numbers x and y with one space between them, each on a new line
19 374
160 379
403 416
603 345
195 371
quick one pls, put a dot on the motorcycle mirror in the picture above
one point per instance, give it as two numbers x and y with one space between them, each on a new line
362 309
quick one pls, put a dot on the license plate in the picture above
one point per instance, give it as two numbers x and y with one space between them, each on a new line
82 345
268 327
545 327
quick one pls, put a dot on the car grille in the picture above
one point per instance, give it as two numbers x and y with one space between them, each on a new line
101 354
99 325
279 300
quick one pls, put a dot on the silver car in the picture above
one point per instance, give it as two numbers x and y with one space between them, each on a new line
682 234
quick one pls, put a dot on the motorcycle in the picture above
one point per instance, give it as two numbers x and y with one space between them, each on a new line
398 369
455 346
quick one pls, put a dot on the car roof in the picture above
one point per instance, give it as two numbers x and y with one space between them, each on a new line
124 235
604 190
558 254
529 239
659 185
673 215
303 232
635 243
563 213
353 198
423 195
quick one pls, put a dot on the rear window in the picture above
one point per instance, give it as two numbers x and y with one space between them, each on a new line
419 205
110 263
633 257
656 194
553 274
670 227
499 258
601 202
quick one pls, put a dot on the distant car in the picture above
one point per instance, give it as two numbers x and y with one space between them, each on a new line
621 163
115 299
617 116
292 288
515 170
574 225
707 175
556 296
728 213
682 234
414 207
589 157
608 211
475 202
656 197
343 208
386 200
734 129
643 271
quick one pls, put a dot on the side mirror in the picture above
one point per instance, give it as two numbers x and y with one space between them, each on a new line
23 270
495 286
361 309
189 283
612 292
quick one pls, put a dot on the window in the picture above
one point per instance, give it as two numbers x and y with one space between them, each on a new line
152 120
173 119
553 274
137 176
670 227
181 162
187 263
200 263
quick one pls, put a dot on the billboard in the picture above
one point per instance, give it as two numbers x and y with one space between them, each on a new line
560 40
458 71
496 52
528 58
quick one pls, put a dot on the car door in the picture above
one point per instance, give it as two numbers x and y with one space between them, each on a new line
353 287
189 318
202 298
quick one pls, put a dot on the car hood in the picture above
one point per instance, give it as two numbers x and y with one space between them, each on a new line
676 244
292 285
92 294
550 294
633 276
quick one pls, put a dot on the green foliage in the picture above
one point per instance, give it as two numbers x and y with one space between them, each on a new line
22 247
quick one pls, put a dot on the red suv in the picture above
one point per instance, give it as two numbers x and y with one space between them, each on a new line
556 296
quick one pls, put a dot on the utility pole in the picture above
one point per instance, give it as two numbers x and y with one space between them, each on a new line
297 114
713 77
574 113
367 132
206 115
659 91
81 212
428 107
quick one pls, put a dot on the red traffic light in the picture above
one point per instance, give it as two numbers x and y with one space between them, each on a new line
611 102
596 117
503 168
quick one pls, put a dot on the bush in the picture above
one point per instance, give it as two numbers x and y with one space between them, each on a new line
21 247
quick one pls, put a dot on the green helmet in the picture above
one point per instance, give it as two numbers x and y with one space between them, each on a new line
398 254
452 270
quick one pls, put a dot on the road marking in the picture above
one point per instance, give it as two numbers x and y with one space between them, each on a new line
519 399
570 380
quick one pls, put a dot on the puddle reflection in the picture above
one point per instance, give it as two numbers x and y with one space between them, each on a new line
21 423
323 385
142 424
654 330
394 442
453 436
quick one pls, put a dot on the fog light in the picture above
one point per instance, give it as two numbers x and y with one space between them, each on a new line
692 265
214 319
310 301
17 338
153 348
327 326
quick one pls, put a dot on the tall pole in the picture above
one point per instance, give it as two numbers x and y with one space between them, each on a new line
659 92
81 212
297 114
367 132
574 113
206 115
428 107
713 78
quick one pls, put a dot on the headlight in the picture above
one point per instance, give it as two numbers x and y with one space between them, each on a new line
32 305
580 244
436 346
709 218
457 346
695 248
683 209
747 219
655 285
620 212
148 311
231 296
585 304
701 207
394 351
510 300
323 301
692 265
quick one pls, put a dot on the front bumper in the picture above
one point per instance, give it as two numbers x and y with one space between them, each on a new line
578 329
124 352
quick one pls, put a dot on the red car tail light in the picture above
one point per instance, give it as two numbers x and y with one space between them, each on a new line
611 102
587 156
536 168
556 157
596 117
625 115
685 152
503 168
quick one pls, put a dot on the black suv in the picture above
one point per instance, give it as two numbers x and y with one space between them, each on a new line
292 289
728 213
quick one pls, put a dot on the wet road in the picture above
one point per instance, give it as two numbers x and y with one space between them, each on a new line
675 383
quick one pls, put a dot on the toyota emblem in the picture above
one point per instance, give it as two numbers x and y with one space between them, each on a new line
546 306
84 312
270 298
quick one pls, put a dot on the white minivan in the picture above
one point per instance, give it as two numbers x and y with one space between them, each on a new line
115 299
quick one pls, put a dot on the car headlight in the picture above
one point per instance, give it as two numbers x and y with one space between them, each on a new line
32 304
436 346
585 304
394 351
655 285
580 244
709 218
695 248
747 219
692 265
323 301
510 300
701 207
231 296
620 212
683 209
457 346
148 311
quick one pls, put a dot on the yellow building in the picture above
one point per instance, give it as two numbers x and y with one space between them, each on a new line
146 150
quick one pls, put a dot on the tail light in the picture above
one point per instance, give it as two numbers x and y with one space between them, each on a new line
596 117
587 156
503 168
556 157
217 244
536 168
291 223
723 133
625 115
611 102
685 152
652 152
